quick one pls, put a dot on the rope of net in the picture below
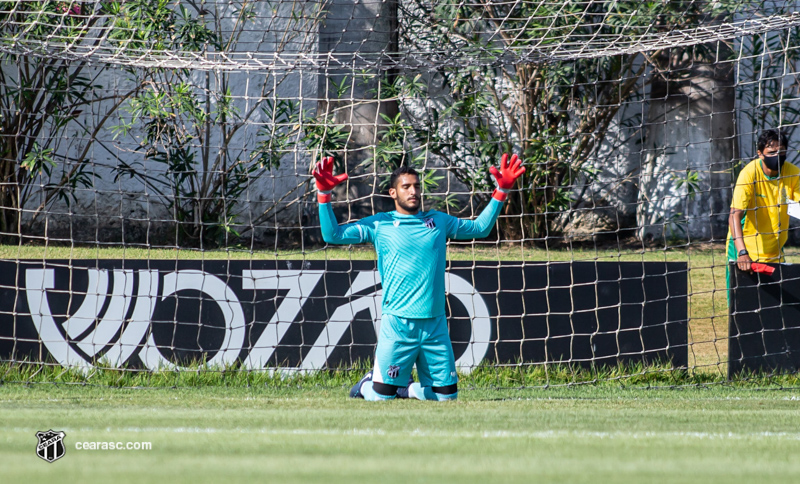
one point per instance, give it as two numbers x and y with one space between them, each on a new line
98 49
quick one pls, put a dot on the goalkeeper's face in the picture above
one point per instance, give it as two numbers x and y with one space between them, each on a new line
407 194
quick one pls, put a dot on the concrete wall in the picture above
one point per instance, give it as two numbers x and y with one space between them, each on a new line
126 211
680 128
690 148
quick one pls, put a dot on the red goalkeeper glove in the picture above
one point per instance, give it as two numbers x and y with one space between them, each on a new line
759 267
506 176
323 174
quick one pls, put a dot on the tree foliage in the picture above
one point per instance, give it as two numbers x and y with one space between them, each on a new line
555 114
194 153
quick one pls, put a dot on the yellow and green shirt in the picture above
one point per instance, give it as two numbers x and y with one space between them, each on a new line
764 199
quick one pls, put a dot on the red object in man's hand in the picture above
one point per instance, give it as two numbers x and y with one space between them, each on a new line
759 267
323 174
506 176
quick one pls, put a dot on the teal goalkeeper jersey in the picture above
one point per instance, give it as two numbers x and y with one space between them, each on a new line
411 252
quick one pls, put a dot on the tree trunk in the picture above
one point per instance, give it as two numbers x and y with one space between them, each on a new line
367 29
690 145
9 196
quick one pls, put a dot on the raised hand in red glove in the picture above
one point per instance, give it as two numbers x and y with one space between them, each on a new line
506 176
323 174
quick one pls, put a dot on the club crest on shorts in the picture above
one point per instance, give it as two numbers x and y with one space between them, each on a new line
51 445
393 371
430 223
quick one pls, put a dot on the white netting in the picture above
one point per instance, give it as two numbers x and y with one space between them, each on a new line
283 36
148 132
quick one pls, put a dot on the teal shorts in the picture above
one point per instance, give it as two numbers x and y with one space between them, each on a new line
404 342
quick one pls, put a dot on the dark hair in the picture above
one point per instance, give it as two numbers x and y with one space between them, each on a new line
401 170
770 136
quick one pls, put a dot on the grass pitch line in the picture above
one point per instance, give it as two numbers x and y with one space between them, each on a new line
485 434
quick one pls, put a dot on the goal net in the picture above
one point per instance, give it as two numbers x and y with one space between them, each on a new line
157 209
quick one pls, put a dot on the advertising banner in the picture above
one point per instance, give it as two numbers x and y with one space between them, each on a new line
325 314
764 321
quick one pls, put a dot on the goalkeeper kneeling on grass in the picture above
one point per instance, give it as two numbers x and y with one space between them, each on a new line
411 247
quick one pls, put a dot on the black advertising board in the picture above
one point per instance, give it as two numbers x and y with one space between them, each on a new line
323 314
764 321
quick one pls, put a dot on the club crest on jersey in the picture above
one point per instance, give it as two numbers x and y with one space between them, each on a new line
430 223
393 371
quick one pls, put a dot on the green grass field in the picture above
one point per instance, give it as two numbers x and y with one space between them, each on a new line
587 434
656 426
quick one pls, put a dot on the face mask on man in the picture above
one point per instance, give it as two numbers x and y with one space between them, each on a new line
774 162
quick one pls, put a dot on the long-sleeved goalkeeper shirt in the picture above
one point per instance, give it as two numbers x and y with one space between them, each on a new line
411 252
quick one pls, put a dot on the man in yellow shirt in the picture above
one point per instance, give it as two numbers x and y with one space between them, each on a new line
759 220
